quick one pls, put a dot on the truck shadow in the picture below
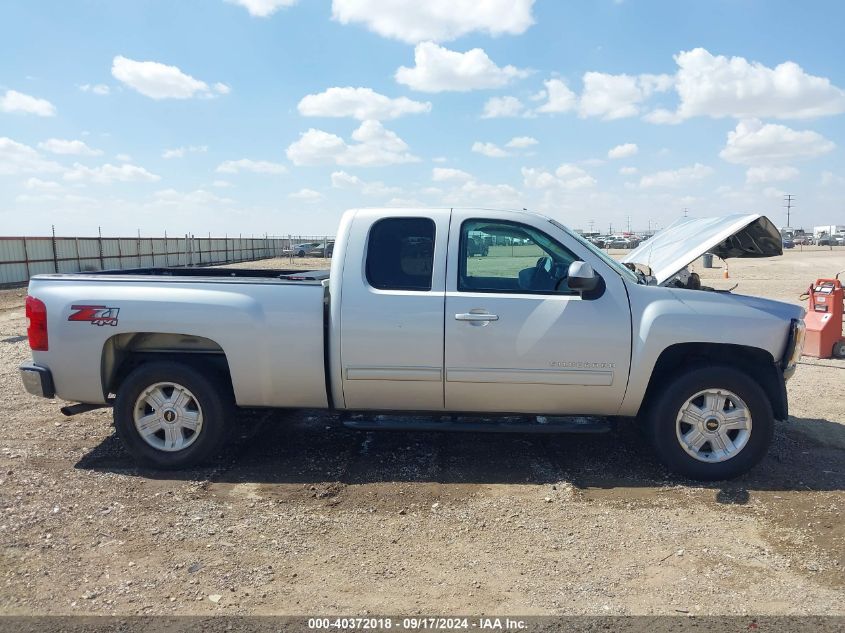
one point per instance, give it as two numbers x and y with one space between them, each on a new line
306 447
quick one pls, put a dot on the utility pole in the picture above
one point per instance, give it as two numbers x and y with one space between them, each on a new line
686 212
629 224
788 199
592 222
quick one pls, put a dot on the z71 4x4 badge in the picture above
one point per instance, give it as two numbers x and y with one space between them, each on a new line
98 315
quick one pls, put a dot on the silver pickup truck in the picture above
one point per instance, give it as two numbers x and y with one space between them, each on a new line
415 317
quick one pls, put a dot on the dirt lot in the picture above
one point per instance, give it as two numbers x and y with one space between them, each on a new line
304 516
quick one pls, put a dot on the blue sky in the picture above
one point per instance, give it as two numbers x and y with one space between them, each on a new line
254 116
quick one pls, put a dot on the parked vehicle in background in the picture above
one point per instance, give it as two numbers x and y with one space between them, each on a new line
802 240
409 321
598 242
788 243
311 249
621 242
825 240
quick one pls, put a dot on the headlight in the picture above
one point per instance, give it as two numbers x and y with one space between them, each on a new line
794 347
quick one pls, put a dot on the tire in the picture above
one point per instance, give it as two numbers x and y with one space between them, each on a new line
839 349
694 396
210 397
301 254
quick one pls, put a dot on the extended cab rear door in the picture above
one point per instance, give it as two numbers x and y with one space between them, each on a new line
391 310
514 343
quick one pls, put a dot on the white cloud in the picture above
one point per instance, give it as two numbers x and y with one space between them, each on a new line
160 81
41 185
618 96
179 152
568 177
490 150
662 116
263 8
199 198
502 107
359 103
829 178
254 166
221 184
521 142
718 86
753 143
344 180
559 98
473 193
414 21
448 174
406 203
758 175
97 89
439 69
14 101
109 173
17 158
123 158
62 146
623 151
676 177
628 171
375 146
309 196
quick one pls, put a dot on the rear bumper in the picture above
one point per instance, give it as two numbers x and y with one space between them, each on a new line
37 380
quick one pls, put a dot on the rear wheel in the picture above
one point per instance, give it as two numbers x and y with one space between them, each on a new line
711 423
169 415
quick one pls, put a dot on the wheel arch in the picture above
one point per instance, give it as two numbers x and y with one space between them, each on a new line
758 363
125 352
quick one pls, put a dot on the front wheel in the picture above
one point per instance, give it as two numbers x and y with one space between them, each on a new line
711 423
169 415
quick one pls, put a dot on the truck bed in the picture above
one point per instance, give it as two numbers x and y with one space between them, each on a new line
269 325
199 274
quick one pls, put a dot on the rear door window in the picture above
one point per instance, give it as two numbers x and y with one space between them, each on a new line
400 254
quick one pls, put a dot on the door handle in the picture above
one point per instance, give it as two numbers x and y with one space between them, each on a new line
474 317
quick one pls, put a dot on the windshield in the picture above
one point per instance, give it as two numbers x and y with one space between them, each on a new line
607 259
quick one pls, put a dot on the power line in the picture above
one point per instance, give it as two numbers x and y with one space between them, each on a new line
788 199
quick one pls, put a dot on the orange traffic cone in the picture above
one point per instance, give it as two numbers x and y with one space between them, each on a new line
725 274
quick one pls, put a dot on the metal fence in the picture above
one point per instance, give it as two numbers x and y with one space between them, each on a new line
23 257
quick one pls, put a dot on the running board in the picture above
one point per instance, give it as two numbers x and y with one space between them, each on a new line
529 425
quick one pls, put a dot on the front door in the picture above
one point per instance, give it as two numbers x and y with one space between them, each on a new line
516 338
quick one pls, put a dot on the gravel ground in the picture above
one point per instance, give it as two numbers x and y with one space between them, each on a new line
303 516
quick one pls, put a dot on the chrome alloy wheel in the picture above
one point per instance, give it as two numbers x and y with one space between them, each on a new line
168 416
714 425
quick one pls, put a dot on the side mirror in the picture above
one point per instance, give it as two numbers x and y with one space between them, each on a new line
582 277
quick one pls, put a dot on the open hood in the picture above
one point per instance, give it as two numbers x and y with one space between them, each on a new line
687 239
